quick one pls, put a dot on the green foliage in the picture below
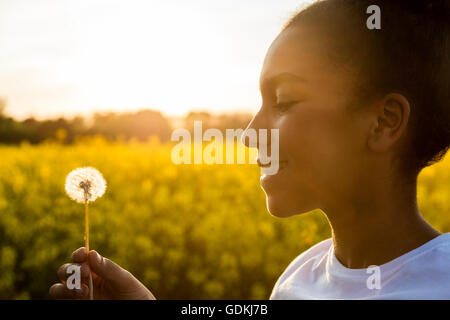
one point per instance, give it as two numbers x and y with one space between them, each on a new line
139 125
186 231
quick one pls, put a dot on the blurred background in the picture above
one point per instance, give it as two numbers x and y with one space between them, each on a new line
104 83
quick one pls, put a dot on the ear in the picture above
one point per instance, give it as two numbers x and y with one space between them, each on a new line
391 118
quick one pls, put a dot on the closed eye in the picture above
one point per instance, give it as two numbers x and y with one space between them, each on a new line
284 106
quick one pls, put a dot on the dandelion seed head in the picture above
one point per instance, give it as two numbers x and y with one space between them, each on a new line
85 184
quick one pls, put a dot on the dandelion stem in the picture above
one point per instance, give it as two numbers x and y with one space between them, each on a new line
86 240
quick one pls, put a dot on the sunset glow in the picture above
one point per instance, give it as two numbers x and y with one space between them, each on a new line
62 57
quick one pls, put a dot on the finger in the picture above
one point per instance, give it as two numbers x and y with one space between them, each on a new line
79 255
60 291
64 272
108 270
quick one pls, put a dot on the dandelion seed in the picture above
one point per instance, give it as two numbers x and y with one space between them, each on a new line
84 185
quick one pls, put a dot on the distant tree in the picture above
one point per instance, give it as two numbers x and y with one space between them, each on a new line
2 106
203 116
140 125
221 121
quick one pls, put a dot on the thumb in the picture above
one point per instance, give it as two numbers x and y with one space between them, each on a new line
108 270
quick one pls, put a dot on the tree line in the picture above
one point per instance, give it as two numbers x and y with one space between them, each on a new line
138 125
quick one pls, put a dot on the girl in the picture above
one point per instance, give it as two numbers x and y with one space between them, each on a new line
360 112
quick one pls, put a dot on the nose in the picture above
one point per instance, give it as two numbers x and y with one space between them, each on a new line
250 136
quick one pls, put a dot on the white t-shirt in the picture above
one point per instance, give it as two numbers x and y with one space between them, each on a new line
423 273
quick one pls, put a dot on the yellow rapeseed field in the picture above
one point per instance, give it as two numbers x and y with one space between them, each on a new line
185 231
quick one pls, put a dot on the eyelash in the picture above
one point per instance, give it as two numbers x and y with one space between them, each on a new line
284 106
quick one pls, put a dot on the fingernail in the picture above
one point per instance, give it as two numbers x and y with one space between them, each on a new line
98 258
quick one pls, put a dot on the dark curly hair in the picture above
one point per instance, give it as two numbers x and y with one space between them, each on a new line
408 55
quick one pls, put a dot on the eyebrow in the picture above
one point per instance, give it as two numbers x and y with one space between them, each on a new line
279 78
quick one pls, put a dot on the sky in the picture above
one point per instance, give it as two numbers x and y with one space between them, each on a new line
76 57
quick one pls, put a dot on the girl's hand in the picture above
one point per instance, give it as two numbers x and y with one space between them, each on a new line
109 279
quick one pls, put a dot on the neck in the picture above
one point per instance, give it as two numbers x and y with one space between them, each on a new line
383 225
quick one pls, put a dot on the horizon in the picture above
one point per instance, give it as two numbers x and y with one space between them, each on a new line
89 116
63 58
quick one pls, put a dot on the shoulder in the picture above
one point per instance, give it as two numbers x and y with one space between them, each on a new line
307 259
426 275
433 260
435 255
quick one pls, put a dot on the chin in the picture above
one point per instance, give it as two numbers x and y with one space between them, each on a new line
281 208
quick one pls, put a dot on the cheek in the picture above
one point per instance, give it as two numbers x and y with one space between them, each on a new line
318 143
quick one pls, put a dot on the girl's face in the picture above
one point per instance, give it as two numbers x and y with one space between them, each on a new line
322 146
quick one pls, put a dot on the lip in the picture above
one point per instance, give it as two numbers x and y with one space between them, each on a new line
281 164
267 181
271 181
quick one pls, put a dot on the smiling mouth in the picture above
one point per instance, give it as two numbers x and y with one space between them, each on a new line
265 167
